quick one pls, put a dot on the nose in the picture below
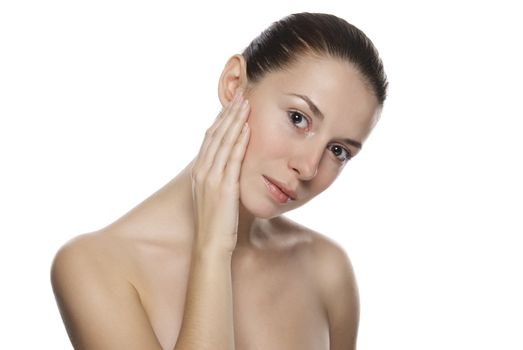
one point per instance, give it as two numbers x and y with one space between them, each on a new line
306 161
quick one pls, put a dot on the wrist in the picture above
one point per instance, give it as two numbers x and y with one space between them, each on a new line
211 253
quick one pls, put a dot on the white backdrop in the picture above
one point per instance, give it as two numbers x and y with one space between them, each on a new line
103 102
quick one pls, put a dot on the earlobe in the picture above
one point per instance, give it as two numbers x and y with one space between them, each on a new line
233 77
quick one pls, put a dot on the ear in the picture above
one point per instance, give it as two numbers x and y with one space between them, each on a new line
233 78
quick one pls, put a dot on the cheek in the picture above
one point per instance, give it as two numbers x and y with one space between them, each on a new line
267 139
327 174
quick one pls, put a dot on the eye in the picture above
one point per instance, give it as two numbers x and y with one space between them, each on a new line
341 153
298 120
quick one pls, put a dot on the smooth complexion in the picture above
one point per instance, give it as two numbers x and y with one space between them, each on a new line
290 143
172 273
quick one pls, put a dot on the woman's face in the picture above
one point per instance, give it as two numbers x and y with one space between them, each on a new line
306 122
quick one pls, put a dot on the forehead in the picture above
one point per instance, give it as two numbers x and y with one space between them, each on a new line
334 85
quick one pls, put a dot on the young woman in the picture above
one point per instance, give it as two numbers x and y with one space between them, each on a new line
208 261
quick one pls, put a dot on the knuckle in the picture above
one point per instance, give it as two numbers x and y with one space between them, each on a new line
227 141
236 153
212 181
193 173
209 132
199 178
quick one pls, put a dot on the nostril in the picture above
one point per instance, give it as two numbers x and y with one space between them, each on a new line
307 173
306 166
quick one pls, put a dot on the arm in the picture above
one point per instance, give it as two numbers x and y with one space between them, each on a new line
102 310
208 316
99 307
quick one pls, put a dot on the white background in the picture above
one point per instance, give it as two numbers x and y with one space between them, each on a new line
103 102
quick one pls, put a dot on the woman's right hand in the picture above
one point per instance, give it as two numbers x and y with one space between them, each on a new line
215 178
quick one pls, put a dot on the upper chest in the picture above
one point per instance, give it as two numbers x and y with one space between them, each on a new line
275 299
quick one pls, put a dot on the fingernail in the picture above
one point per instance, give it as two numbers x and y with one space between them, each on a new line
245 127
245 103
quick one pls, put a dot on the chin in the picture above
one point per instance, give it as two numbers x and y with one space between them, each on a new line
258 205
258 209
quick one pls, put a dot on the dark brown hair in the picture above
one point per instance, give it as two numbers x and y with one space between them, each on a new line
283 42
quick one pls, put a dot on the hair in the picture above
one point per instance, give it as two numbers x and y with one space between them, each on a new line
299 34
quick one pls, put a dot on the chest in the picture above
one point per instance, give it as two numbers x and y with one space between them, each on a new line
276 305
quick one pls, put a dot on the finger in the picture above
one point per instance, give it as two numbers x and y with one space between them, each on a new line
224 112
219 119
229 140
217 140
210 132
232 170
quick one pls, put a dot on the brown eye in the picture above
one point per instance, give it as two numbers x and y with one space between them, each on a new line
340 153
298 120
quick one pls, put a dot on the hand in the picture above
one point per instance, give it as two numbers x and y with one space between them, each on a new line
215 178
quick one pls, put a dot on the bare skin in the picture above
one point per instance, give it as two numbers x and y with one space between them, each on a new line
293 288
277 297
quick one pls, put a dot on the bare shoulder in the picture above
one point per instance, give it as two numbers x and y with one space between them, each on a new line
94 252
99 306
336 282
76 257
331 261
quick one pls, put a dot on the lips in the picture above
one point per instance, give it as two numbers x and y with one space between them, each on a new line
291 194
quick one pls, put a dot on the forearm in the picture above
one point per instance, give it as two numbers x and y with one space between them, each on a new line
208 315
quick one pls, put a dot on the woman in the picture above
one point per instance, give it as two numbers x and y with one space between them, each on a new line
208 262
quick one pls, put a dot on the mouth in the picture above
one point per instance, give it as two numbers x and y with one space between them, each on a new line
278 191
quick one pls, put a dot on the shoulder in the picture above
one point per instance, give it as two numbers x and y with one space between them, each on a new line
86 251
339 292
336 283
78 252
85 260
329 260
96 257
98 305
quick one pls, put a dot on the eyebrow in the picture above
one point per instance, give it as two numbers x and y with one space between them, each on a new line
320 115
